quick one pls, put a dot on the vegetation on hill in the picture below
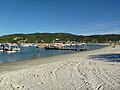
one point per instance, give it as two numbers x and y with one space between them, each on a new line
60 37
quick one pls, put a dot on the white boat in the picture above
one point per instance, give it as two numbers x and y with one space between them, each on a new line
26 45
83 43
16 49
1 50
67 44
12 49
73 44
11 52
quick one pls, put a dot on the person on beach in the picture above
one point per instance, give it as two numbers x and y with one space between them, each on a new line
38 54
35 57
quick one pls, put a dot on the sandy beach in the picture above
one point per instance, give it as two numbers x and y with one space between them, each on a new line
89 70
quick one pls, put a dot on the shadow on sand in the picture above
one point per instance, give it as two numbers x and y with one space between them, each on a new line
106 57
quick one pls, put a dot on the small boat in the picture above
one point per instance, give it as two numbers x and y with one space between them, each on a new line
10 52
26 45
12 49
16 49
1 50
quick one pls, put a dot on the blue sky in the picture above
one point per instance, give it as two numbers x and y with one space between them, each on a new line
81 17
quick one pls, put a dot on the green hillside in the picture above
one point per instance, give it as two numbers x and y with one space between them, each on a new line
49 37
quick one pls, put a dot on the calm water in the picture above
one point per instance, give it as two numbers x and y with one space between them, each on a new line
27 53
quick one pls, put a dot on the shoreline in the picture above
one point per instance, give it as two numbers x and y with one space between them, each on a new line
11 66
76 71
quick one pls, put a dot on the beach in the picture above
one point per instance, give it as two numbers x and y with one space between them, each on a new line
88 70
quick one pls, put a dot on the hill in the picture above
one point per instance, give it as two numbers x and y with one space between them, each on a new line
49 37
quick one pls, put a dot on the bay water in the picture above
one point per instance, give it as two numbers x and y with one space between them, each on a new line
27 53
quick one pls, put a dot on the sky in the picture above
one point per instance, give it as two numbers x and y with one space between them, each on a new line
80 17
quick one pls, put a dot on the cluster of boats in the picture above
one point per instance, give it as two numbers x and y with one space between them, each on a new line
12 48
9 48
60 46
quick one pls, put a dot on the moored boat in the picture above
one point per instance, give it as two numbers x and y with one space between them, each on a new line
10 52
1 50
